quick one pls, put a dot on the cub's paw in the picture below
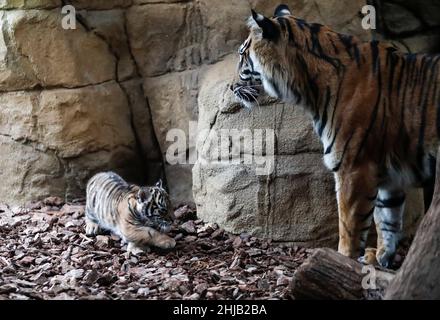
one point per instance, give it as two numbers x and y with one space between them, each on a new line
166 243
136 250
92 229
369 257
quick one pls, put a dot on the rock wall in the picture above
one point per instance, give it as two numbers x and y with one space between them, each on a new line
72 101
412 25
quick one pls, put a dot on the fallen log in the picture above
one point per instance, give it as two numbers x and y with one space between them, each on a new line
419 276
328 275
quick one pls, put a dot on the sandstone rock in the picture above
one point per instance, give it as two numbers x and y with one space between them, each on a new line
78 121
141 118
173 103
156 1
154 49
399 20
427 43
430 12
30 58
29 4
26 170
179 178
110 25
182 36
148 148
100 4
343 16
296 202
64 136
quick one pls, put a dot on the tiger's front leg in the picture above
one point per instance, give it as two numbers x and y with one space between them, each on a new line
143 236
388 217
356 193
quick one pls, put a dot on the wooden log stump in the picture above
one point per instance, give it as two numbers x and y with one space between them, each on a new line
419 275
328 275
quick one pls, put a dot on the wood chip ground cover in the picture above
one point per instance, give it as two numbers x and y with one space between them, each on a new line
44 254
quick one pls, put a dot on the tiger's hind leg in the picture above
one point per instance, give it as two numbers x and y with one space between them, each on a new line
388 217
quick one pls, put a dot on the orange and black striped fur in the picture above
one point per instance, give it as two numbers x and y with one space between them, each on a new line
374 108
139 215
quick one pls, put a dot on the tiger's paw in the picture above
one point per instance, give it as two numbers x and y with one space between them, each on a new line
385 258
369 257
133 249
166 243
92 229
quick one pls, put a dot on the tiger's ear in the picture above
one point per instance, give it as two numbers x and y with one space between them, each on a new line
282 10
159 184
270 31
142 195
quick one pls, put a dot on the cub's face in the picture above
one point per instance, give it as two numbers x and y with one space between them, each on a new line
153 204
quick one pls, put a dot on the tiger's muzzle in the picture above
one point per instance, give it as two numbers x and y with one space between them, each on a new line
247 93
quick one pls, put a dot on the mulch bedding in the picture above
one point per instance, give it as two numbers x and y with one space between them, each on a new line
44 254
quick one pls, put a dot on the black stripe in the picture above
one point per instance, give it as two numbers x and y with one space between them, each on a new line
275 87
301 24
285 25
347 41
375 55
323 121
251 63
338 166
391 225
350 234
367 215
391 202
330 147
376 107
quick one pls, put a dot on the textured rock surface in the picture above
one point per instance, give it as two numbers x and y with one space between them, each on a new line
72 102
412 25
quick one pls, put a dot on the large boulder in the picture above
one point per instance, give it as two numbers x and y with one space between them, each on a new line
29 58
294 202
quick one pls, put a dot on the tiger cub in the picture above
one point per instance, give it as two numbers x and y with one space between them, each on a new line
139 215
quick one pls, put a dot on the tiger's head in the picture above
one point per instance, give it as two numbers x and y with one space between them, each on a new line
154 205
263 65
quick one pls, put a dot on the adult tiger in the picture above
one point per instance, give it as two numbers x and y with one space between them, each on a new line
139 215
374 108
